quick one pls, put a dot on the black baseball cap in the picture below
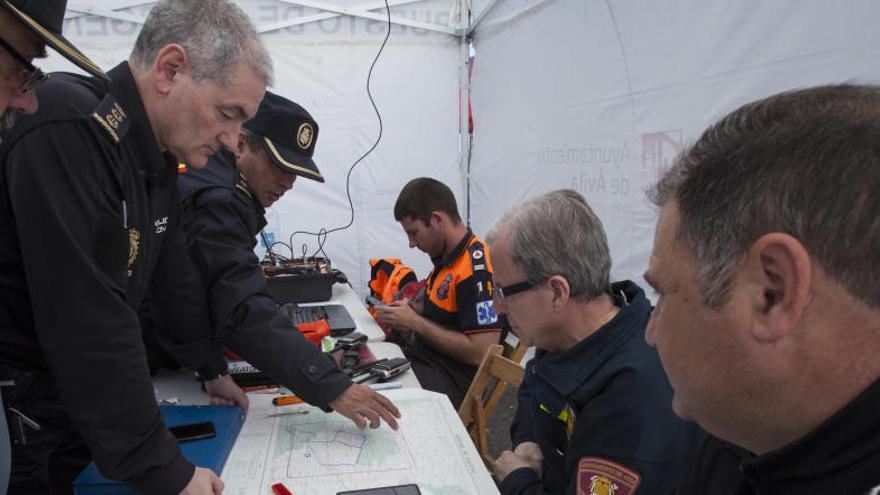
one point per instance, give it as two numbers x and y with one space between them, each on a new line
289 135
44 18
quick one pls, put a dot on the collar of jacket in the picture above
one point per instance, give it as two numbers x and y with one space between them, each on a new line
844 449
554 377
459 248
154 162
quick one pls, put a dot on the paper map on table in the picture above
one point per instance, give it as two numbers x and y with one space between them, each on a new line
322 454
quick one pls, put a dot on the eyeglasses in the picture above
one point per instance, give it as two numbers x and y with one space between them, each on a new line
35 75
510 290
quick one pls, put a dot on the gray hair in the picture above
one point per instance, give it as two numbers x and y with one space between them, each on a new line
215 33
557 233
805 163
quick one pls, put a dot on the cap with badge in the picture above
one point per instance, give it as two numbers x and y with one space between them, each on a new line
289 135
44 18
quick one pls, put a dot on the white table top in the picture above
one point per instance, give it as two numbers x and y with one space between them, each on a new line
182 387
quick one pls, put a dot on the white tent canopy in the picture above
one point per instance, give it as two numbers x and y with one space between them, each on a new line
594 95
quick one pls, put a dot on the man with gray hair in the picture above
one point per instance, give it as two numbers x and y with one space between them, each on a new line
766 259
593 413
89 216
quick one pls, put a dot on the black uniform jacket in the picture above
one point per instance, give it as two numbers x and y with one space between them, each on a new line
840 456
221 220
605 400
87 210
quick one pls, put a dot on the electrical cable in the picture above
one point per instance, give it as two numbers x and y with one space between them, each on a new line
323 232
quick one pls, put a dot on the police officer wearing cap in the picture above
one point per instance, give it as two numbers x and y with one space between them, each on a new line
26 27
224 206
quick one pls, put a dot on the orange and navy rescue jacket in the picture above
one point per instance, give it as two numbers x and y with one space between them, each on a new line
459 290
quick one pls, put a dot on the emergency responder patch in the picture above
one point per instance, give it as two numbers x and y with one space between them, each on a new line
597 476
486 313
134 243
110 115
443 290
478 261
304 135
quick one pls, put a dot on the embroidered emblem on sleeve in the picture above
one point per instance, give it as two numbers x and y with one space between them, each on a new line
443 290
597 476
134 242
486 313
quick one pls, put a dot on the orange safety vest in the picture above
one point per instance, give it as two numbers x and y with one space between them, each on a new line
388 277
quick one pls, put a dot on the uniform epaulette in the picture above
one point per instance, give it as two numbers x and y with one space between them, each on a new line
112 118
242 186
478 256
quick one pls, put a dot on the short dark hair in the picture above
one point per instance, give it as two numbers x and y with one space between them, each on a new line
252 140
806 163
419 197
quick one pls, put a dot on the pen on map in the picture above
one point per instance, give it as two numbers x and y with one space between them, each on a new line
285 413
286 400
385 386
279 489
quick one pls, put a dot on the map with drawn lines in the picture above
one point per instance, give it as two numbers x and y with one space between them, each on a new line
322 454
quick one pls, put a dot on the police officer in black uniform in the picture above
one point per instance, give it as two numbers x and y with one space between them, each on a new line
223 210
26 27
88 211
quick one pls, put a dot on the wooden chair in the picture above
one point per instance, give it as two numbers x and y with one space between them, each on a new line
494 375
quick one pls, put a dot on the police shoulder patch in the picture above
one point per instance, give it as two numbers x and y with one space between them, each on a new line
111 117
242 186
597 476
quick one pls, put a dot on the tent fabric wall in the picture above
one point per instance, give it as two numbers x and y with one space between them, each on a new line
594 95
600 95
323 66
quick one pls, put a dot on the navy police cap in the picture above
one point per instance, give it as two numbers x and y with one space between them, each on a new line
44 18
289 135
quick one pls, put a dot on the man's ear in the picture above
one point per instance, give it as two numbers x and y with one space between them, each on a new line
561 291
240 146
436 219
780 276
170 61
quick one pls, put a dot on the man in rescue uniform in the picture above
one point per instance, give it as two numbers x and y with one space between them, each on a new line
88 212
593 413
766 260
453 325
223 208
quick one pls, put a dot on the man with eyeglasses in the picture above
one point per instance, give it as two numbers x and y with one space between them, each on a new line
453 325
593 413
89 215
26 27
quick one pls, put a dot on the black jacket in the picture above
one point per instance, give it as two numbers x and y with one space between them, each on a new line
841 456
605 401
87 213
221 220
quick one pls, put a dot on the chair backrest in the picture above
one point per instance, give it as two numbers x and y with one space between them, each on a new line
494 375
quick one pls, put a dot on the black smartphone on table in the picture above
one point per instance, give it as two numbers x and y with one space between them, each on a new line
193 431
385 490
